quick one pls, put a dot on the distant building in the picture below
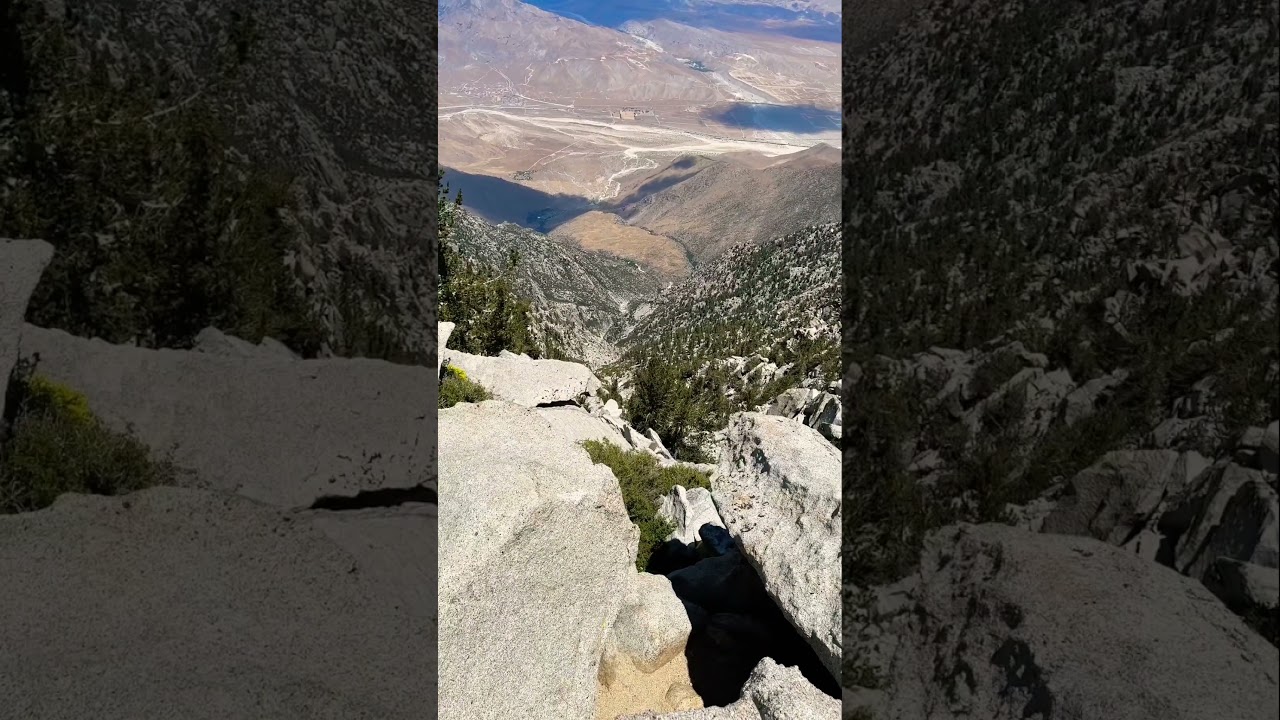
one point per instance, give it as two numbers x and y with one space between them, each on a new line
628 114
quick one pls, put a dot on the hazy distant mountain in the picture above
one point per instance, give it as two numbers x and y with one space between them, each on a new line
547 57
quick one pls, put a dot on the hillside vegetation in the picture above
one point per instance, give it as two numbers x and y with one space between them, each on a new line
217 167
1067 247
160 228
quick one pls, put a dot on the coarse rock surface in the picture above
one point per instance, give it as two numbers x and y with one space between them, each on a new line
777 488
1122 492
214 341
443 331
203 605
652 626
21 263
284 432
688 510
525 382
644 665
1011 624
1232 512
773 692
578 425
1244 585
536 545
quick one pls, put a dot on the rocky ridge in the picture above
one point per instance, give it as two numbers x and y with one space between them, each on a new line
300 531
692 641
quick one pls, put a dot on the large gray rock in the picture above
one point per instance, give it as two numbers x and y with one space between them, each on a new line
285 432
793 403
777 488
214 341
1081 402
443 331
1244 586
1008 624
579 426
773 692
394 546
1269 453
184 603
1231 512
21 263
525 382
819 410
1122 492
687 511
536 544
652 626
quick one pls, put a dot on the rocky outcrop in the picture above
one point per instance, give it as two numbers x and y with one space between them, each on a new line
688 510
643 666
773 692
1123 493
530 611
578 425
525 382
1232 513
172 590
443 331
215 342
537 544
285 432
819 410
1010 624
777 488
21 263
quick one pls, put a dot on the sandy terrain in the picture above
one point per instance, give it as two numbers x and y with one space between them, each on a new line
596 230
586 153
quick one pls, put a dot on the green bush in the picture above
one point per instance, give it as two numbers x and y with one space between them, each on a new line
456 388
680 404
643 484
57 446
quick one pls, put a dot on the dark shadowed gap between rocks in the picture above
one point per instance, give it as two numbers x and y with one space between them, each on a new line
735 622
384 498
558 403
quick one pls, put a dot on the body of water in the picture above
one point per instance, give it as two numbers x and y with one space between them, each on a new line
824 27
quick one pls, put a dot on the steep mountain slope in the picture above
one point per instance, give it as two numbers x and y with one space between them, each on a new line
1067 248
728 202
772 298
580 296
336 100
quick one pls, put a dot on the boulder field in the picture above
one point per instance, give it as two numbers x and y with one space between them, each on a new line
543 613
